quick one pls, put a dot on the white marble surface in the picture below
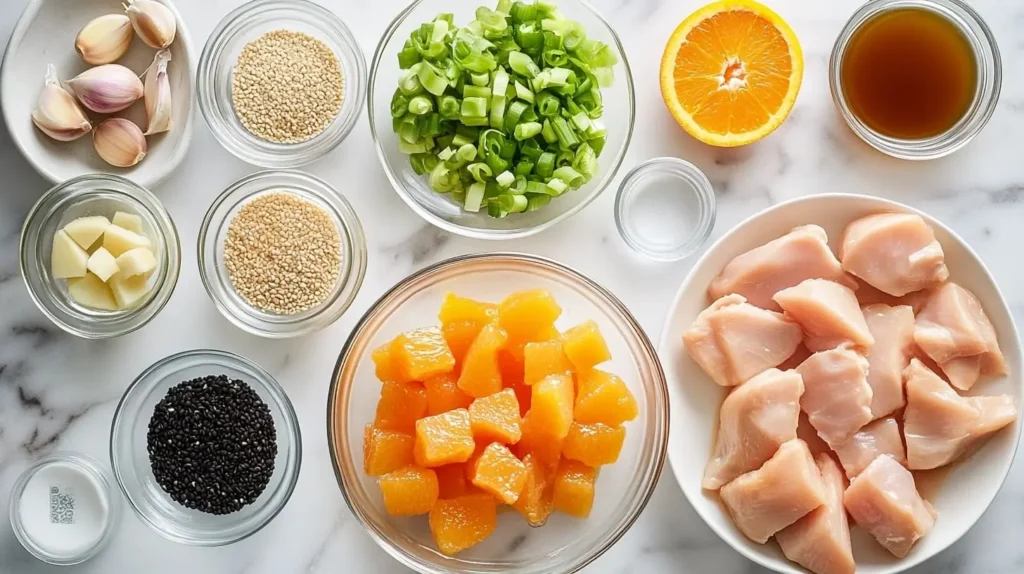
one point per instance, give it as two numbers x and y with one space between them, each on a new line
57 392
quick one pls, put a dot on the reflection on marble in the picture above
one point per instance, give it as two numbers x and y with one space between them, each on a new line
57 392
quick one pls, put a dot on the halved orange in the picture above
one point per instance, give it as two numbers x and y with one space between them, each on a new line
731 72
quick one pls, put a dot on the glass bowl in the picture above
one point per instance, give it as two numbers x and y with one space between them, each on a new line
565 544
96 194
439 210
129 455
217 64
665 209
214 273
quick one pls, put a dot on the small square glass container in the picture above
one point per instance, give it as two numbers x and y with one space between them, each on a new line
665 209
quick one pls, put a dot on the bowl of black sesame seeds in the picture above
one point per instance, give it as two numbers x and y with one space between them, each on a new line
205 446
281 82
281 254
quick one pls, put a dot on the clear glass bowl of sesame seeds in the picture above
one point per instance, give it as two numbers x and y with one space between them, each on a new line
283 143
326 284
129 454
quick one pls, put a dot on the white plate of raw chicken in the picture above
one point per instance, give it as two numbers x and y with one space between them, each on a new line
831 387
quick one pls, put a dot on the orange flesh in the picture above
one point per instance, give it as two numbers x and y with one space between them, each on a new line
463 522
409 491
603 398
593 445
574 488
422 353
481 374
385 450
400 406
444 395
535 501
444 439
495 418
499 472
585 346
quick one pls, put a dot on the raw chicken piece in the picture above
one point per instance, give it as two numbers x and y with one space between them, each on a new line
820 541
940 425
828 312
762 272
894 252
733 340
885 502
766 500
893 330
755 419
875 438
799 355
868 295
953 330
837 397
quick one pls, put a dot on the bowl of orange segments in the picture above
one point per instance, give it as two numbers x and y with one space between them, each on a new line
497 412
731 72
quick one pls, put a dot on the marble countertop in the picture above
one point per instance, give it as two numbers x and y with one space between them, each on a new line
59 393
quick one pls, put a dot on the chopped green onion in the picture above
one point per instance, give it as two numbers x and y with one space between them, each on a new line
545 165
527 130
500 83
523 64
474 108
475 197
479 79
524 93
505 178
497 112
476 92
411 148
449 107
558 187
547 104
569 175
420 105
536 201
467 152
431 80
408 56
480 171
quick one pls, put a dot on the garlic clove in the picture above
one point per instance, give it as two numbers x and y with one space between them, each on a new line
119 142
158 94
104 39
57 113
106 89
153 22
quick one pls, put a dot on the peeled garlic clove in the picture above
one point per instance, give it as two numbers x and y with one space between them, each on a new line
104 39
153 22
106 89
158 94
57 114
119 142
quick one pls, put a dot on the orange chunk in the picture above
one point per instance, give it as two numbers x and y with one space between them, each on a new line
459 336
593 445
603 398
525 313
456 309
523 395
495 418
462 522
544 358
443 395
452 481
545 448
385 367
585 346
536 500
499 472
480 374
408 491
385 450
444 439
422 353
551 404
574 488
400 405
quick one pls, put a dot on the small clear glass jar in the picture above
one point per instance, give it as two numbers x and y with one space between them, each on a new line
986 96
214 273
665 209
217 64
96 194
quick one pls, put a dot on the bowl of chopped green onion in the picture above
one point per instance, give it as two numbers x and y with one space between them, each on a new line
500 122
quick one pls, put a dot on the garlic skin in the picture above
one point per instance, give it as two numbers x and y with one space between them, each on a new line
106 89
105 39
158 94
119 142
57 113
153 22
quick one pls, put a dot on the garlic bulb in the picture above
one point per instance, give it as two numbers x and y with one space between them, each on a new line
106 89
119 142
57 113
153 22
158 94
104 39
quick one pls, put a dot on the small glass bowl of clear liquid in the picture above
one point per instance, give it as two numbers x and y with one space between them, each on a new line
665 209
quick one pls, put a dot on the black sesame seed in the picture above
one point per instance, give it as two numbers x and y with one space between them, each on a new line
200 444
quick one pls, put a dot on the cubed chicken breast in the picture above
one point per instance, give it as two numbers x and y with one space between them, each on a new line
733 340
893 331
894 252
837 397
868 295
764 501
940 426
954 331
820 541
873 439
755 419
762 272
884 501
828 313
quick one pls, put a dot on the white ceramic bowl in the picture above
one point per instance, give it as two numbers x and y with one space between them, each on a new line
45 34
967 489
